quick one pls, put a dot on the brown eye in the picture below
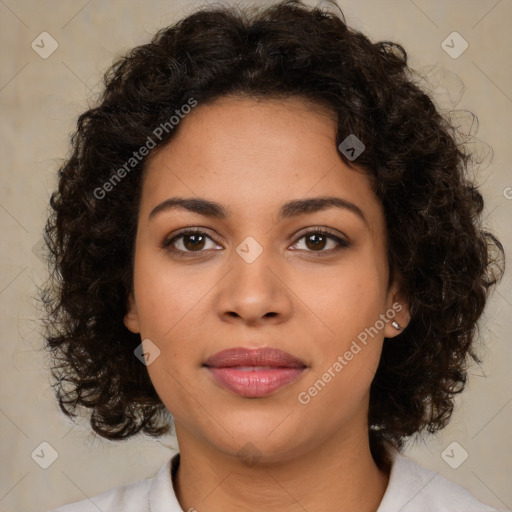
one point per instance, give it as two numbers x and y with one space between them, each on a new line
189 241
317 241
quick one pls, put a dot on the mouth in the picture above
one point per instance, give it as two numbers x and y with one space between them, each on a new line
254 373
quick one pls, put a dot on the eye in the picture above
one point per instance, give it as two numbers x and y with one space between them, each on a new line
188 241
317 239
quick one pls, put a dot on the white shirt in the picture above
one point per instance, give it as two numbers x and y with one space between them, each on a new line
411 488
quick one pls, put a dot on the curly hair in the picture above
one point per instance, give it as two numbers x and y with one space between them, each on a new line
438 251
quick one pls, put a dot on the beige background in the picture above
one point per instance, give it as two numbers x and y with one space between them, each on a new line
40 100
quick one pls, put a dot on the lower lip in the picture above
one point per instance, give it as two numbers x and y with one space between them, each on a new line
255 383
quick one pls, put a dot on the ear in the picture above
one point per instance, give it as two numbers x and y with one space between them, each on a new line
398 310
131 318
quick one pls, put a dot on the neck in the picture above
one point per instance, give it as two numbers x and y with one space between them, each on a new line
337 475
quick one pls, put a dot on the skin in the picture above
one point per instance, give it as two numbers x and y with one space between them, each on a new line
251 156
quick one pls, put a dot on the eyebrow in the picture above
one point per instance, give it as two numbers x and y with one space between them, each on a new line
288 210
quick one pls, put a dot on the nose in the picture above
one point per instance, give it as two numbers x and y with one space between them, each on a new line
255 292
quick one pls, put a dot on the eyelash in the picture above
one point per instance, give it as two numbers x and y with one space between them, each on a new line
167 243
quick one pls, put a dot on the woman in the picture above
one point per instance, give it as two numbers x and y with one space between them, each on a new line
266 231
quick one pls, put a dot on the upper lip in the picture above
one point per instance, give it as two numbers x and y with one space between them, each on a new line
241 356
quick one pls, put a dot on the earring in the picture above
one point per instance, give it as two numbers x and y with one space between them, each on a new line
396 325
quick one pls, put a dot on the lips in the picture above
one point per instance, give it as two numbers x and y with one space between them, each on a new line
256 372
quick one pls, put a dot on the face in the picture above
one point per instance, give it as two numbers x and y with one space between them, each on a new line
265 267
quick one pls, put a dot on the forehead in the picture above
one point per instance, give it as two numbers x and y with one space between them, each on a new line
255 155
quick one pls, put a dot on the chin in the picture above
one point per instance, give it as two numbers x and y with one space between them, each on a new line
262 438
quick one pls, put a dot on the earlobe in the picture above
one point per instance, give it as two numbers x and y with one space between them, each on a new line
399 314
131 318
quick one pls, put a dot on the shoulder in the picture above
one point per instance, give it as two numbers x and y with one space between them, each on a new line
148 495
414 488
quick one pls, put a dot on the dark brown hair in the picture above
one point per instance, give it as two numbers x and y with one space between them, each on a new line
445 261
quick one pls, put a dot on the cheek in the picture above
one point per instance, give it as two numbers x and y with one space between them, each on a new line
348 299
165 310
339 385
165 297
351 308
